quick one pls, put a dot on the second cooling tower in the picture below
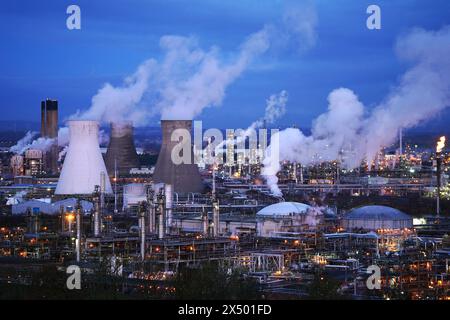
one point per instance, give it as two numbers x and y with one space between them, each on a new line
83 166
121 154
184 177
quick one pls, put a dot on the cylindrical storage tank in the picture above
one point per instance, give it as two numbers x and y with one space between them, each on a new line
375 218
83 165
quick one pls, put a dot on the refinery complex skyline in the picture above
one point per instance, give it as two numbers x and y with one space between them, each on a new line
243 152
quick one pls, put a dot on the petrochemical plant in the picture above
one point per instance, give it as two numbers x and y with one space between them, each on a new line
146 224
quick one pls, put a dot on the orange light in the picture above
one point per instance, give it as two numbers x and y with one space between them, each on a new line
70 217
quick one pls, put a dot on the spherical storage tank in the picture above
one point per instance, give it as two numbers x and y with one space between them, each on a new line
376 217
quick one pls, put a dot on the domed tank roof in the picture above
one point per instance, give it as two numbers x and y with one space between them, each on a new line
376 213
284 209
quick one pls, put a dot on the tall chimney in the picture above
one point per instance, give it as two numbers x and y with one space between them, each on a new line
183 177
49 129
83 165
121 151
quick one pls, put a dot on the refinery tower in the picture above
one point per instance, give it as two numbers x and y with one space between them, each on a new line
184 177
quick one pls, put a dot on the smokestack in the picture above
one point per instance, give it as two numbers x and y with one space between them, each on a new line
184 177
121 153
43 114
83 164
49 129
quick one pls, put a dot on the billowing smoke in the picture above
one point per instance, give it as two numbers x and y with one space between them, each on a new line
113 104
23 144
188 78
349 134
27 142
275 109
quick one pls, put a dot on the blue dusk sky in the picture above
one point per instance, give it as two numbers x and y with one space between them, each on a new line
40 57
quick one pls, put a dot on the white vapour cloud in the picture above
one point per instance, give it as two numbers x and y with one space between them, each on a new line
188 78
275 109
27 142
23 144
349 134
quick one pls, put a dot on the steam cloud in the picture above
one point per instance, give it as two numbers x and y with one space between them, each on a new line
189 79
350 135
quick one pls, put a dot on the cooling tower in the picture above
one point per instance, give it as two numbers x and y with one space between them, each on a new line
83 165
121 149
183 177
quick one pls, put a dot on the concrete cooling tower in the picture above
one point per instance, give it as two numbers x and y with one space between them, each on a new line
121 150
83 166
183 177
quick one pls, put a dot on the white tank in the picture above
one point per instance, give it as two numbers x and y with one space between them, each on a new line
83 165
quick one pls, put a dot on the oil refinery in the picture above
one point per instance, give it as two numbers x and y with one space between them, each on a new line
255 151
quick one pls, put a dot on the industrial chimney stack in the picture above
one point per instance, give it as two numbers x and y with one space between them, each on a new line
49 129
183 177
121 154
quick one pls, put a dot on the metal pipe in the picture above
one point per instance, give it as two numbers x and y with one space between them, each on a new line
97 217
216 221
78 239
161 215
438 182
168 193
151 211
204 221
142 229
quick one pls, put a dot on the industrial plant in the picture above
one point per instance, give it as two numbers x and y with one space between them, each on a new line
225 150
148 228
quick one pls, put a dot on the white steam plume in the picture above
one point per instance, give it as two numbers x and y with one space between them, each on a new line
345 134
275 109
23 144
